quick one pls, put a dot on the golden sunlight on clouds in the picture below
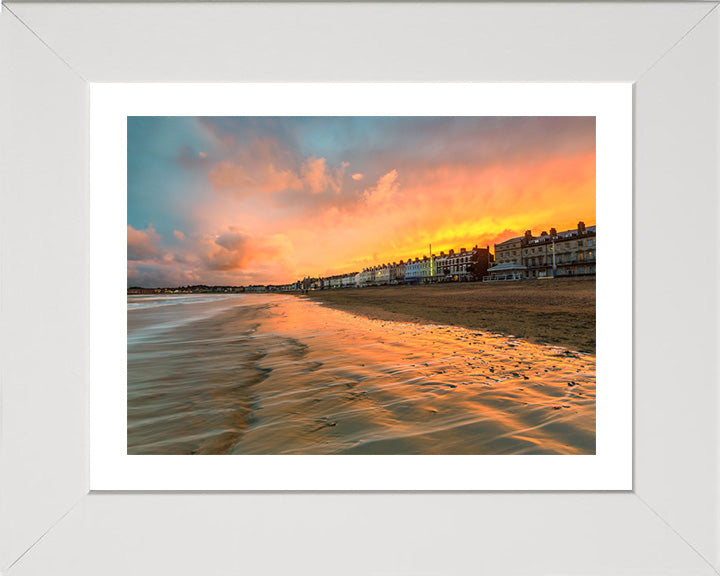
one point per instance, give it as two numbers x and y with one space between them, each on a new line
274 200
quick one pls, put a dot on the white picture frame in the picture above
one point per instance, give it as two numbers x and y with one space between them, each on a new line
50 523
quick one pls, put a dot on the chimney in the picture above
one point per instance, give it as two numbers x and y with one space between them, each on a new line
442 253
543 233
452 251
528 235
462 250
581 227
553 232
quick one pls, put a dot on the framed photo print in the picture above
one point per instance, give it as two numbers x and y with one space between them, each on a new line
316 288
311 288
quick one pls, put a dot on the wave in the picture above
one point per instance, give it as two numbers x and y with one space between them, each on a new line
135 301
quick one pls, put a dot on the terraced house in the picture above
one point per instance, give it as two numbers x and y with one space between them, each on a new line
348 280
464 265
427 269
567 253
412 271
399 272
367 277
384 274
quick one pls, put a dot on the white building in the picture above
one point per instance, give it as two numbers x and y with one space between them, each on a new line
367 277
384 274
427 269
412 271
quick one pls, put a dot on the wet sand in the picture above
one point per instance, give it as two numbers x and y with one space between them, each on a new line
559 312
271 374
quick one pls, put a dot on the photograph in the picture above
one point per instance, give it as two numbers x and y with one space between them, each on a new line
361 285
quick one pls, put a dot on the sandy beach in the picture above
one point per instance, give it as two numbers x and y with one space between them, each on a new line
277 374
559 312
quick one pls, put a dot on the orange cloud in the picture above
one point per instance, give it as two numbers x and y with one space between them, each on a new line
277 180
314 176
142 244
448 206
236 250
273 215
227 175
384 191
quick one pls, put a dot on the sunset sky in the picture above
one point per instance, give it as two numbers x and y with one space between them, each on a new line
223 200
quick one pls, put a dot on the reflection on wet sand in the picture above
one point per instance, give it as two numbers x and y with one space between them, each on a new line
270 374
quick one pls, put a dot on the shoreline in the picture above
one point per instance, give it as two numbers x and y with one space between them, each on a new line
275 375
559 312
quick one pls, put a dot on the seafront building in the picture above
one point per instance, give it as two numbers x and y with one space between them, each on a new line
399 272
464 265
412 271
367 277
334 281
549 255
454 266
384 274
390 273
417 271
427 269
552 254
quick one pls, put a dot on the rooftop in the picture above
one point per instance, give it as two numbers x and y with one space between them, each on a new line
509 240
567 234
